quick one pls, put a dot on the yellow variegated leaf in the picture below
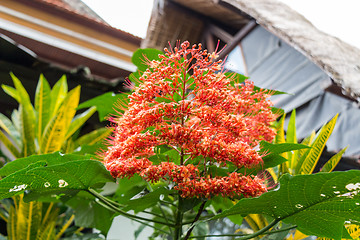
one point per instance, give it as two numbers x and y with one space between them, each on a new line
55 131
48 225
79 120
42 106
9 145
10 129
291 137
280 136
27 126
15 118
94 136
333 161
64 227
28 219
11 225
48 232
58 94
354 230
11 92
309 163
27 117
256 221
299 235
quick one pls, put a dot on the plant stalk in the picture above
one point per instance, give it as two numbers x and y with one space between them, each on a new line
178 220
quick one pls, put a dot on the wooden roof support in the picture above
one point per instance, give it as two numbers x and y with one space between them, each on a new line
237 38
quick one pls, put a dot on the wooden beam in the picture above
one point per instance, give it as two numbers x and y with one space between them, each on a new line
237 38
220 33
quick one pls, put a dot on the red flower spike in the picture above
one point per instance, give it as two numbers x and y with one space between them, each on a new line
184 102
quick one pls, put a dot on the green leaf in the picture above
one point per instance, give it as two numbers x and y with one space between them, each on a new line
280 136
27 118
54 133
105 104
39 179
27 126
11 92
9 145
127 188
79 120
50 159
235 78
319 204
150 199
27 219
10 129
15 118
93 137
89 214
291 137
142 56
58 94
333 161
134 78
273 160
280 147
42 105
307 163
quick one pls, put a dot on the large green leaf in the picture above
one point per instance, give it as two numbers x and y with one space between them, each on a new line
105 104
54 133
40 179
280 147
141 202
89 214
42 105
318 204
50 159
142 56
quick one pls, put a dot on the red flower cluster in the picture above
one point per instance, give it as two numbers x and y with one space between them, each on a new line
188 104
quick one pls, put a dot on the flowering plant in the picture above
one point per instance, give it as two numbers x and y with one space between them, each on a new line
187 104
190 145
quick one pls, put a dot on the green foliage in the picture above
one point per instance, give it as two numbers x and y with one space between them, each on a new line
318 204
48 126
142 56
105 104
303 161
89 214
38 178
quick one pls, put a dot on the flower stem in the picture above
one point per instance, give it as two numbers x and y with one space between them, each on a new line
243 235
179 217
195 220
105 202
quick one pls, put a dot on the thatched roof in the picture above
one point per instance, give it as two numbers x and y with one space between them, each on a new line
184 20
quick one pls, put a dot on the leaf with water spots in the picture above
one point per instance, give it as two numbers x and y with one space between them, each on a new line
319 204
39 179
